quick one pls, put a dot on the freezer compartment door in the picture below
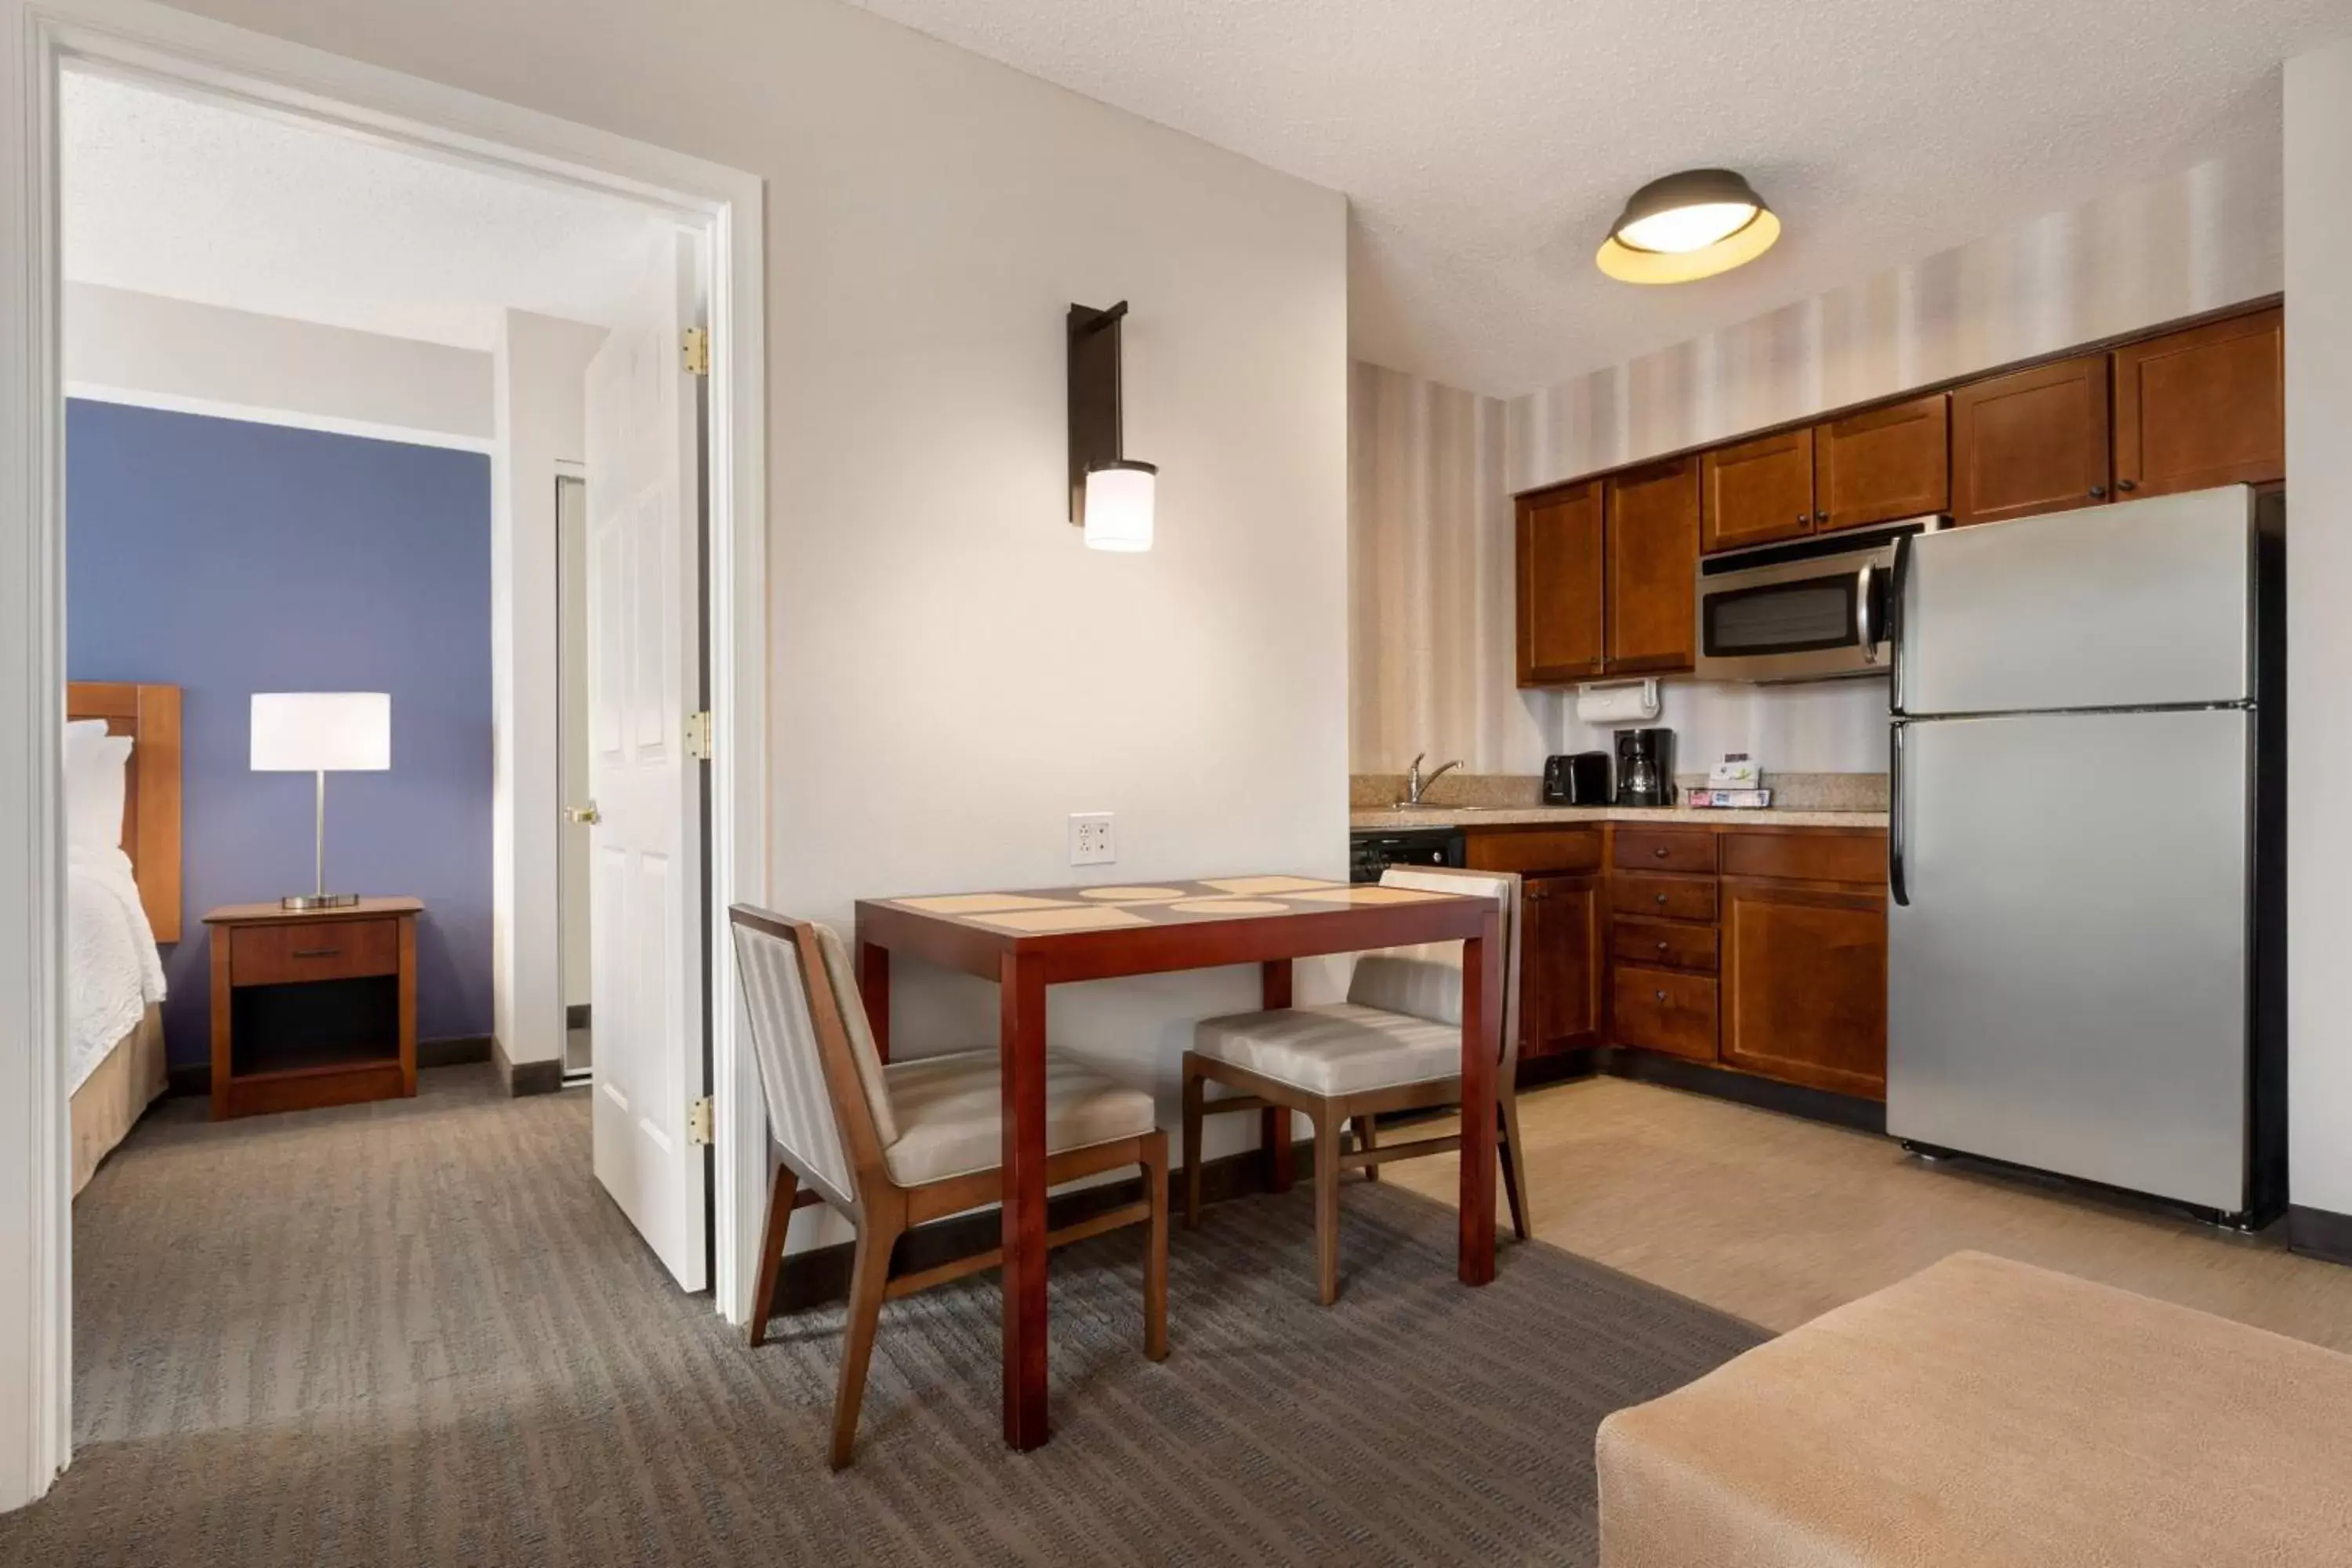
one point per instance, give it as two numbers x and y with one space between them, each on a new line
2146 603
2068 984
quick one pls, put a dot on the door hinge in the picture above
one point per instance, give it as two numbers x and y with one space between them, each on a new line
698 1122
697 736
697 345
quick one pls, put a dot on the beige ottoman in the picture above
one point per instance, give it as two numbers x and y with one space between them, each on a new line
1984 1412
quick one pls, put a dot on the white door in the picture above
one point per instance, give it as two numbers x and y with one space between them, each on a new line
644 679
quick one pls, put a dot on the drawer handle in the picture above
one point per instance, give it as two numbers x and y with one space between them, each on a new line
1660 995
1661 900
318 952
1662 947
1660 852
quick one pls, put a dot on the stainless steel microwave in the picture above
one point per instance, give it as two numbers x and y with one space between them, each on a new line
1811 609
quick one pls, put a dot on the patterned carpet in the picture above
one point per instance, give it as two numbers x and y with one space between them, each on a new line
419 1333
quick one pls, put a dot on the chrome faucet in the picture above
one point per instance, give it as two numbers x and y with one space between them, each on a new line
1414 784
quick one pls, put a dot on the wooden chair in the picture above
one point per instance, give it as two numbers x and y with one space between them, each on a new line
1395 1045
891 1147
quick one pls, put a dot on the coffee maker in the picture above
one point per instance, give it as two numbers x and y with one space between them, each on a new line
1645 767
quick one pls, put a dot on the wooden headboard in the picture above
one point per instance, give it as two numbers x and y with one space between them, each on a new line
149 715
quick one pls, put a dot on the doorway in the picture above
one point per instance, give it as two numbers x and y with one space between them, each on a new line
380 106
572 739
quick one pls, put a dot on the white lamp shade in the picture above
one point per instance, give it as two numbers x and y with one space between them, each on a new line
1118 506
322 732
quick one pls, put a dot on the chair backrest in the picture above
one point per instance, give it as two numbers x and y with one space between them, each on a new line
820 1072
1426 982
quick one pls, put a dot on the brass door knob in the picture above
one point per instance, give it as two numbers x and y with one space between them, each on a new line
586 816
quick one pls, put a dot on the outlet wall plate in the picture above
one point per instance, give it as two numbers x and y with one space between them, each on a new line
1091 843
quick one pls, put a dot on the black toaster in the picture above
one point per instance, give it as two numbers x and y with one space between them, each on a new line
1577 778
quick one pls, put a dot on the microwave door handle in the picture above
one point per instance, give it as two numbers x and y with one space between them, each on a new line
1865 621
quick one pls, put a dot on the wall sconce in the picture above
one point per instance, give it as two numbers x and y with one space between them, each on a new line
1110 494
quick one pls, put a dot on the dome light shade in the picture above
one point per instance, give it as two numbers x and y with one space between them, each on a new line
1689 225
1119 505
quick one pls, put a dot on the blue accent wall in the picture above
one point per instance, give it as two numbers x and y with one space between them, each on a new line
228 558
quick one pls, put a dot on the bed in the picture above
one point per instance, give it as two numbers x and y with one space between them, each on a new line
123 899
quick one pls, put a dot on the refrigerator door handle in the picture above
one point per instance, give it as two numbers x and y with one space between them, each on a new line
1898 882
1898 582
1866 620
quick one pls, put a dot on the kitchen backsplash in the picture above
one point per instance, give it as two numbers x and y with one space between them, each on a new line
1795 792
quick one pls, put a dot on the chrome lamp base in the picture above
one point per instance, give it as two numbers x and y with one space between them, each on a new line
317 901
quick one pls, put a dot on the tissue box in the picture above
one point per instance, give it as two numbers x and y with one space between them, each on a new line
1730 799
1734 771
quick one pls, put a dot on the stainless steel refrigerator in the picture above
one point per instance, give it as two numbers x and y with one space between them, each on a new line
2085 870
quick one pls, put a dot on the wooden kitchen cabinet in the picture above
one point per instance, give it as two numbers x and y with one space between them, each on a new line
2203 407
1758 491
2035 441
1883 464
1560 965
1805 984
1560 583
1653 556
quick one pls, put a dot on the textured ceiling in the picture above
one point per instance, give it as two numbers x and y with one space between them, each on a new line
198 200
1486 144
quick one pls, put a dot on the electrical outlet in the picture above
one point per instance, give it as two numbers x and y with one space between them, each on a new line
1090 839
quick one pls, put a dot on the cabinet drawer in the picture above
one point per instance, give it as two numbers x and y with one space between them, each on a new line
1836 855
325 950
1666 849
1663 898
1663 943
1659 1010
1577 849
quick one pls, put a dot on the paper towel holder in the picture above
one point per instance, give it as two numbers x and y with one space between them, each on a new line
1616 701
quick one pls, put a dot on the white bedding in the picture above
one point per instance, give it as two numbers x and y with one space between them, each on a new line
113 972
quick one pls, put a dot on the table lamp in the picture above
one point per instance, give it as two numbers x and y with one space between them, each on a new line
321 733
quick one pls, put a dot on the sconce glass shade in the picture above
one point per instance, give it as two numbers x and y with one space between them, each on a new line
1119 505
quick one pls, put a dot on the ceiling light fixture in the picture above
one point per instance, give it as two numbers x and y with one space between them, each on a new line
1111 494
1689 225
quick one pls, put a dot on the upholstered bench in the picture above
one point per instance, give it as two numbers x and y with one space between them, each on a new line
1984 1412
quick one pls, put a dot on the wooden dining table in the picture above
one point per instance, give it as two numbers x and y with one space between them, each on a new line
1028 941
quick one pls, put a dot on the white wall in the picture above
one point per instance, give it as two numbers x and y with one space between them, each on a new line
1828 727
2319 660
953 672
543 363
143 349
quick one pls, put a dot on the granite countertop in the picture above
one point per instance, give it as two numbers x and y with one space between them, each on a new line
1535 816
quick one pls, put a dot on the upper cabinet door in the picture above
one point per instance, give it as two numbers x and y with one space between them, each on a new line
2031 442
2203 407
1759 491
1654 567
1560 586
1883 464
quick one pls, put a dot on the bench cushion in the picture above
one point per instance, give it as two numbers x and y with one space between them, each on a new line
1984 1412
1339 1047
950 1113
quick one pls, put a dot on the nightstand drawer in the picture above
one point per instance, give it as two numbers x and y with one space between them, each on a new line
313 950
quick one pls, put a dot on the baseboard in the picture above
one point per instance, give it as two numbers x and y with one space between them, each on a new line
1535 1072
575 1016
2319 1233
453 1050
526 1077
1766 1094
822 1276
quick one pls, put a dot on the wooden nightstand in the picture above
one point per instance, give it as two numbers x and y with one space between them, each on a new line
312 1006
